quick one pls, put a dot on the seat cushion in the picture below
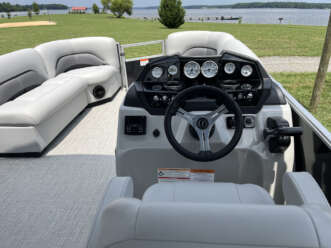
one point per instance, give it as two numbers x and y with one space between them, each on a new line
20 72
204 43
41 103
94 75
107 76
63 55
207 193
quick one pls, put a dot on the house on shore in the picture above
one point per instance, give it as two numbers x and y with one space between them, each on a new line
78 10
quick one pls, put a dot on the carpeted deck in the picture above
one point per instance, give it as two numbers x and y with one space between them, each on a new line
51 201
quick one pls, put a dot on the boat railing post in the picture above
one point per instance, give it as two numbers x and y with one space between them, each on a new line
163 47
122 59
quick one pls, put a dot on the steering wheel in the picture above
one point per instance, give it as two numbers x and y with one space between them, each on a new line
203 123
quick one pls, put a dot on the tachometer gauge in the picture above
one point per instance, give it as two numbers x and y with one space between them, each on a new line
209 69
192 69
247 70
172 70
229 68
157 72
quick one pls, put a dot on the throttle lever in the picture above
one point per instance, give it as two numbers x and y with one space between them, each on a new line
278 131
282 131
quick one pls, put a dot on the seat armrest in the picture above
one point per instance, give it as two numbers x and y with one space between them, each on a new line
118 187
300 188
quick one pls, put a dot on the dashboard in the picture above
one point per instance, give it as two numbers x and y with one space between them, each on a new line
161 80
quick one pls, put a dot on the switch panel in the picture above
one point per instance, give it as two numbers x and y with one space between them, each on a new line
135 125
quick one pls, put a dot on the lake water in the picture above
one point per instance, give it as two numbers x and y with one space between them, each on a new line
316 17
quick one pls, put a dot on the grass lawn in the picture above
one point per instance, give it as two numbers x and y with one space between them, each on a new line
300 85
265 40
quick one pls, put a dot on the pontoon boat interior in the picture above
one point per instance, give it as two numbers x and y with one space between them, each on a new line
210 151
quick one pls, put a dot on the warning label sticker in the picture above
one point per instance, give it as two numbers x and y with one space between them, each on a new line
185 175
144 62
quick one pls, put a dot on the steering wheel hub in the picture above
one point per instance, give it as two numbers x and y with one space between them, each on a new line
203 123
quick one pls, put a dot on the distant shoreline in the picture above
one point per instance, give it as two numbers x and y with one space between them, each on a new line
257 5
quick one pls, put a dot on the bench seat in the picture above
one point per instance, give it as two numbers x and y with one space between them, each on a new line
45 88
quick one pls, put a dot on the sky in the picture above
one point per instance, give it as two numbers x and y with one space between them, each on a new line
144 3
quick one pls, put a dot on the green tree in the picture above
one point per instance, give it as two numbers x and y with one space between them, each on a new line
105 5
35 8
29 13
95 9
171 13
119 7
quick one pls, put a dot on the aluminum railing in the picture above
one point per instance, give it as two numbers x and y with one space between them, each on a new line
123 59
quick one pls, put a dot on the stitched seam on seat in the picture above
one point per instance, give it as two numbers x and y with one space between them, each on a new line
314 225
263 193
136 221
298 189
122 188
237 188
201 47
212 243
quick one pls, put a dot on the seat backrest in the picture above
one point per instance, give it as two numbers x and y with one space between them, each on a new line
65 55
204 43
133 223
20 72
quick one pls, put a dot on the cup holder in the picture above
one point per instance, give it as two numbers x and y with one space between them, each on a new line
99 92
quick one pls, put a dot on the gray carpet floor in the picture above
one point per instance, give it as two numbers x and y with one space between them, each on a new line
52 201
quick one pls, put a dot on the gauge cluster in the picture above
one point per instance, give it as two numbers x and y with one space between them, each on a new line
163 79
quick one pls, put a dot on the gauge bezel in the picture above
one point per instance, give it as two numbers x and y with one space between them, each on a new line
173 66
203 71
197 74
234 70
157 67
242 68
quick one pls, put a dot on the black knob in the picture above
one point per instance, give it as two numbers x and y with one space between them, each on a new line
156 133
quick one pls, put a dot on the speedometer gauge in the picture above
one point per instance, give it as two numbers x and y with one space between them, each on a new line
157 72
230 68
192 69
209 69
247 70
172 70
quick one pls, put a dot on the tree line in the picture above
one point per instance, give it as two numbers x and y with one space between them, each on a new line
7 7
282 5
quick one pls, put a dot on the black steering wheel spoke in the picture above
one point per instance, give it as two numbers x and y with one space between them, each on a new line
203 123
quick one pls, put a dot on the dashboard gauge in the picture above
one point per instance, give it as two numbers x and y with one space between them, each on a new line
157 72
229 68
192 69
247 70
209 69
172 70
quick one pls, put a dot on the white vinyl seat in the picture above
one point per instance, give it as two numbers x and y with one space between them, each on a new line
107 76
204 43
229 193
45 88
186 215
39 104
